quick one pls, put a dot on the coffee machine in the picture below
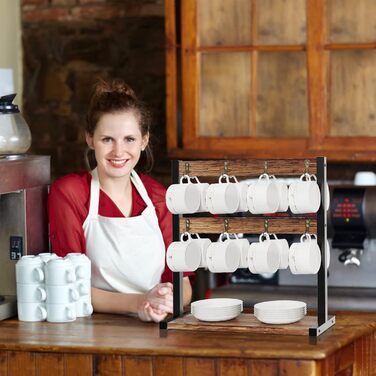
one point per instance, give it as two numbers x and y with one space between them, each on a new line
352 239
24 181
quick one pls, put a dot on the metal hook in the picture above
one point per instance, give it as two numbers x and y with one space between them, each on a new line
266 225
265 167
226 224
306 166
225 167
187 225
186 165
307 225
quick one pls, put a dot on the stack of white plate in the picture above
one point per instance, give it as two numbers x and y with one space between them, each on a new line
280 311
221 309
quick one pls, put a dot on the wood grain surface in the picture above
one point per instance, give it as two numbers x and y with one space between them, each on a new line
118 345
244 323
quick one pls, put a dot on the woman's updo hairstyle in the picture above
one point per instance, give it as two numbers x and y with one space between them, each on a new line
112 97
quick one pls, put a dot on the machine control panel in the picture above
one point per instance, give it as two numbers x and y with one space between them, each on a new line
16 247
347 208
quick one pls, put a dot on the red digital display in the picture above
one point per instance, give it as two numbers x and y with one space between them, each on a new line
347 209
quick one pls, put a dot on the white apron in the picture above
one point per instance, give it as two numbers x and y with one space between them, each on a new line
127 254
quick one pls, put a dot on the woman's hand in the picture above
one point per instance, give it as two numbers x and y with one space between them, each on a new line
156 303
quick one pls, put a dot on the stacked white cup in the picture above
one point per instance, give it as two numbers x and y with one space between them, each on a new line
82 267
62 294
31 293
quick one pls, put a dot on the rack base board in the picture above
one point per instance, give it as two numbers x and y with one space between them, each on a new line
247 323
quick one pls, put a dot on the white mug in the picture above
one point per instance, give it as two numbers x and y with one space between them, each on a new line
283 247
29 270
183 198
31 311
204 244
305 256
263 256
47 256
31 293
304 195
184 255
262 196
242 188
60 272
84 307
82 265
283 195
202 187
244 248
327 250
61 312
62 294
222 197
223 256
83 287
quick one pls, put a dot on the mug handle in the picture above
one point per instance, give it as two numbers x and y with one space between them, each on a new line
306 177
42 294
83 289
196 179
224 176
185 234
222 235
88 308
80 271
185 177
42 313
70 314
267 236
305 236
264 175
71 276
39 274
74 294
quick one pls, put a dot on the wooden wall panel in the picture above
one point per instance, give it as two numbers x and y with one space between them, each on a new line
233 367
222 23
281 22
3 362
107 365
21 363
47 364
199 366
78 365
352 95
282 104
168 365
297 367
263 368
225 93
137 366
351 21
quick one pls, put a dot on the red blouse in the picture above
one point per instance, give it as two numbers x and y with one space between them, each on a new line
68 207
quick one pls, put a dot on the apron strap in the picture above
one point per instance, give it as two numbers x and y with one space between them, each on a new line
139 185
94 194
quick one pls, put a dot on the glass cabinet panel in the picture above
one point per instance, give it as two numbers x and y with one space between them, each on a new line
281 22
352 106
281 107
224 94
352 21
224 23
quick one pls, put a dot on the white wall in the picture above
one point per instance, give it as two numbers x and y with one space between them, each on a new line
10 42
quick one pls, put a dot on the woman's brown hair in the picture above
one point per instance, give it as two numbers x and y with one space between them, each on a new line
112 97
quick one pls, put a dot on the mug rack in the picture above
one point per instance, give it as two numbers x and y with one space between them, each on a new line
252 224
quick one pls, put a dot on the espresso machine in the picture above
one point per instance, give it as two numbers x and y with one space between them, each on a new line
24 182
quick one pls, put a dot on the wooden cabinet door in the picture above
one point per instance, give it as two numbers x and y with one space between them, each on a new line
271 78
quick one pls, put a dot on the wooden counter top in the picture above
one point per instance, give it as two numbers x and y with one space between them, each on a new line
113 334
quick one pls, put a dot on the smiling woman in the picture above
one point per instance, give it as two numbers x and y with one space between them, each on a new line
94 213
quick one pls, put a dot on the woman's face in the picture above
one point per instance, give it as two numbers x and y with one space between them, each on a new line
117 142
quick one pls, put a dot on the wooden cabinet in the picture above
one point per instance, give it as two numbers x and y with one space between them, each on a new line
271 78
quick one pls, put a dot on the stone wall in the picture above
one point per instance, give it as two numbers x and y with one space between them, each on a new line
67 45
